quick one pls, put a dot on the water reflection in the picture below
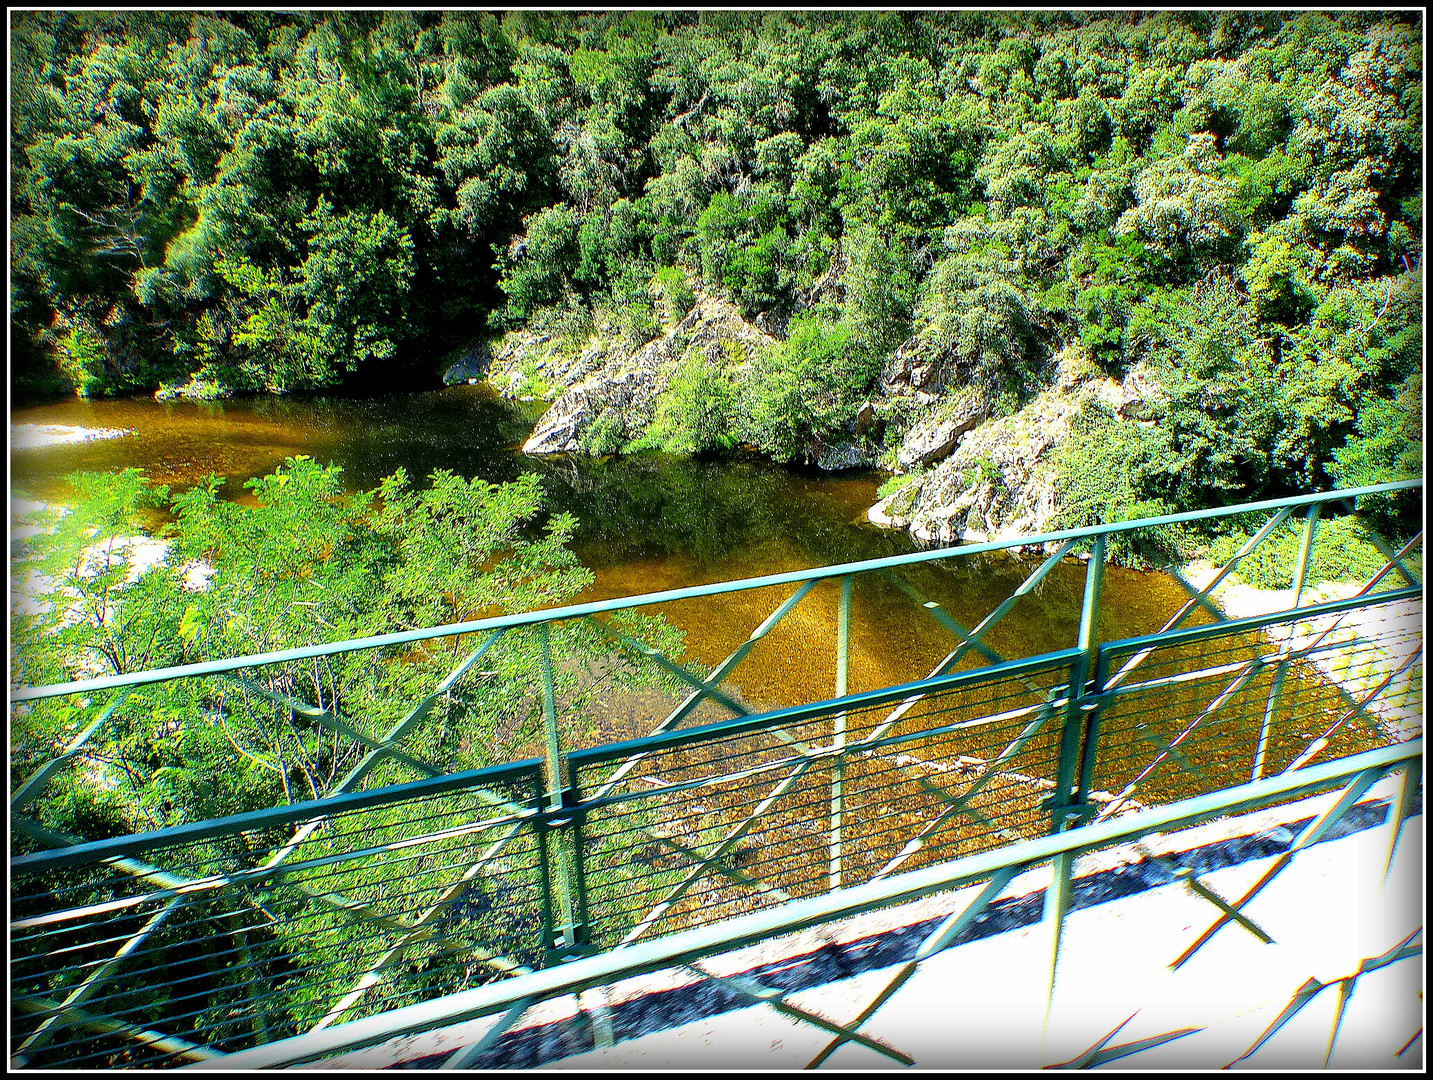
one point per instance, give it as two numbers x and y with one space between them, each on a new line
647 523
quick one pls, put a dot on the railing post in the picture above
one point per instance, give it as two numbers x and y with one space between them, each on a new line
1067 804
1311 521
838 769
1076 760
559 835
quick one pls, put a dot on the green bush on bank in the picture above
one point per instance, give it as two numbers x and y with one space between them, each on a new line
696 413
1342 552
302 562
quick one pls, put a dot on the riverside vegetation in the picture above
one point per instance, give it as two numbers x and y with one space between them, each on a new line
920 211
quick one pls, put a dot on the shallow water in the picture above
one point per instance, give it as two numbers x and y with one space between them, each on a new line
647 523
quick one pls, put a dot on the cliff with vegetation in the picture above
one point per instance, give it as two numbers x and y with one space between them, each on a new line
1050 267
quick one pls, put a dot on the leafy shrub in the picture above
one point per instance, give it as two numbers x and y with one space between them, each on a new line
605 435
695 414
809 385
1107 471
83 360
673 293
1387 446
535 277
743 243
1341 552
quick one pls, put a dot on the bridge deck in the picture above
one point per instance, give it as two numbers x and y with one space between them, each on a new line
981 1004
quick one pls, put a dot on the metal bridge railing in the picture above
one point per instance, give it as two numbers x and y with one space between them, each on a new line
1385 780
401 884
262 925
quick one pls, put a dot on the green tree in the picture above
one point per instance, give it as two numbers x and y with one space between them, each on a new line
1388 446
807 387
302 563
696 412
1184 204
743 241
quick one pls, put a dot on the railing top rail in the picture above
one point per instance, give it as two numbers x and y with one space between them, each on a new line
793 714
528 618
677 948
94 851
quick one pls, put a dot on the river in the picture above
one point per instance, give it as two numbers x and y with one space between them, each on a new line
647 522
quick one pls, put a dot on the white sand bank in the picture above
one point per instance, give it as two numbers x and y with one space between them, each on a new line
30 436
1359 650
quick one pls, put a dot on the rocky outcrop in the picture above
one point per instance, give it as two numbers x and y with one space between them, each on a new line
935 438
529 363
615 387
1000 480
624 387
923 370
472 365
986 477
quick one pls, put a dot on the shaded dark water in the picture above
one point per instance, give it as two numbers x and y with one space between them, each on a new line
647 523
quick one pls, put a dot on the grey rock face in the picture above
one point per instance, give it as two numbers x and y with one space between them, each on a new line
627 385
935 438
606 378
923 370
841 456
528 363
471 365
999 482
914 367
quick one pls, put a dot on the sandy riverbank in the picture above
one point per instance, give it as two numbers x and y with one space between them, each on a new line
1359 650
30 436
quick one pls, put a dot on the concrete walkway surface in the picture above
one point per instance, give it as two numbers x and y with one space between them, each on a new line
980 1005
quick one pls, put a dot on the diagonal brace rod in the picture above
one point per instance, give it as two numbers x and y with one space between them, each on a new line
726 844
722 670
960 803
41 776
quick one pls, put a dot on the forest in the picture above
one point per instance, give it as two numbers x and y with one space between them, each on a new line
288 201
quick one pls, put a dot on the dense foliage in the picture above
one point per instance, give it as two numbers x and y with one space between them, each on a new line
298 563
280 200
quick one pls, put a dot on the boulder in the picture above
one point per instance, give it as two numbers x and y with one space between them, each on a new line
894 511
473 364
866 419
934 439
841 456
